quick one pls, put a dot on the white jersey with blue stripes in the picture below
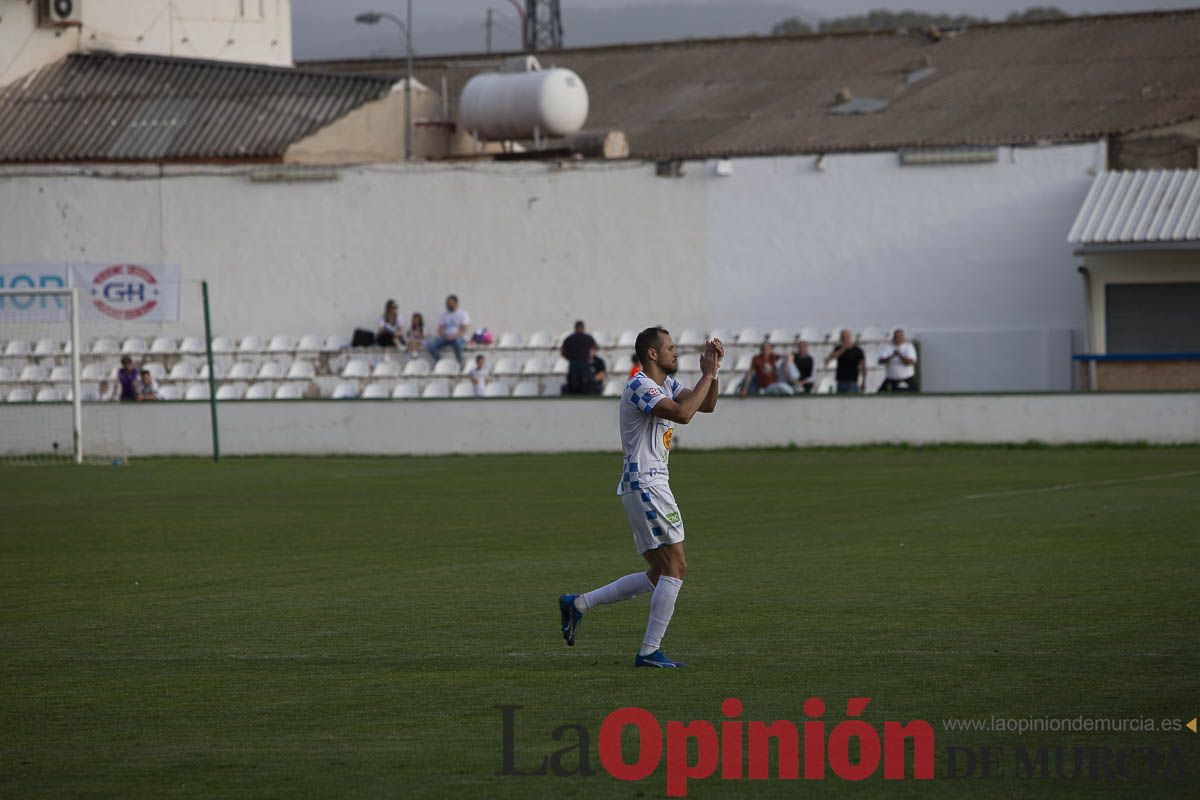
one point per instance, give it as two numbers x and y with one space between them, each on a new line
645 438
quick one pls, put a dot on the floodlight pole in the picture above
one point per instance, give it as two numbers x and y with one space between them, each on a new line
372 18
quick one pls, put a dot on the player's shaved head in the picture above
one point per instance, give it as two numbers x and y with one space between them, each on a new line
649 339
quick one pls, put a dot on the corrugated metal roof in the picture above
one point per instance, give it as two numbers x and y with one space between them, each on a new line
1139 207
106 107
1073 80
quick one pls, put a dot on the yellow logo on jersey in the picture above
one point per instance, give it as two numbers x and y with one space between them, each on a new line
667 437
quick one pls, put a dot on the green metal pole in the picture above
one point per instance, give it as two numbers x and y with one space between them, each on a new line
212 375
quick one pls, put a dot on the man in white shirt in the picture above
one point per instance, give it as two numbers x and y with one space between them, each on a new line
452 330
653 401
899 358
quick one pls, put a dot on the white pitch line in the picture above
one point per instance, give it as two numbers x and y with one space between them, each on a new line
1062 487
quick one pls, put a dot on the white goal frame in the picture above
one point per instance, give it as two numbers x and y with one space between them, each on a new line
76 358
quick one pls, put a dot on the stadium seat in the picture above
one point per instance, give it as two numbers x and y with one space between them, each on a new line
20 395
309 343
689 362
47 394
290 391
6 374
230 391
826 385
540 341
96 372
60 374
463 389
47 347
202 373
345 390
259 391
534 365
743 363
101 347
156 370
497 389
386 369
835 334
506 366
551 389
690 338
724 335
250 346
192 346
375 391
356 368
335 342
17 347
182 371
405 390
446 367
439 387
603 338
730 388
280 343
162 346
416 367
223 345
168 393
270 371
749 336
627 339
134 345
614 386
870 334
32 373
810 335
196 391
241 371
560 366
301 370
526 389
509 341
780 336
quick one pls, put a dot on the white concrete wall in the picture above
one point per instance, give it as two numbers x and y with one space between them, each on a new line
972 259
393 427
254 31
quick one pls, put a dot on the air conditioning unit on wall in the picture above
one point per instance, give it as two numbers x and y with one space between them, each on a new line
57 13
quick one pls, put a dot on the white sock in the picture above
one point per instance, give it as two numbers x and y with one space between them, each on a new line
625 588
662 606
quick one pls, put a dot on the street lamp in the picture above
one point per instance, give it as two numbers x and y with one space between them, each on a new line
373 18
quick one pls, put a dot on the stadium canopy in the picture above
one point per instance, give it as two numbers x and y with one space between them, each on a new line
1146 209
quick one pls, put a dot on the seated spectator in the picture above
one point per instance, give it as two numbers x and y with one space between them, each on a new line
126 386
148 388
479 376
416 333
763 376
390 332
95 394
579 349
899 359
452 330
599 371
801 369
851 373
635 366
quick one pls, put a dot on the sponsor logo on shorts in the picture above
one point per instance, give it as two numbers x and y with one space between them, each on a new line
672 517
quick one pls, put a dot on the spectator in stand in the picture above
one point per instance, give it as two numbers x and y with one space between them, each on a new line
96 393
578 349
416 333
148 388
763 376
126 386
599 373
635 366
851 365
452 330
390 332
899 359
479 376
801 369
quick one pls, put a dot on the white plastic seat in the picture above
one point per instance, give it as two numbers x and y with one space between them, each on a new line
405 390
689 362
95 372
241 371
743 363
386 369
270 371
810 335
496 389
627 339
168 393
281 343
464 389
445 367
526 389
301 370
32 373
259 391
47 347
540 340
250 345
730 388
417 366
535 365
309 343
230 391
47 394
779 336
182 371
223 345
16 347
561 367
6 374
551 389
870 334
357 368
506 366
196 391
102 347
826 385
722 334
162 346
509 341
376 391
345 390
290 391
749 336
689 338
439 387
335 342
613 387
835 334
134 345
603 338
156 370
60 374
20 395
192 346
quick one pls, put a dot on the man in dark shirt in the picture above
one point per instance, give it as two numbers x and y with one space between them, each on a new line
802 368
851 365
128 379
577 350
599 373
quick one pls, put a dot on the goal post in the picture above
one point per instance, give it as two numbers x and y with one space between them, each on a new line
31 326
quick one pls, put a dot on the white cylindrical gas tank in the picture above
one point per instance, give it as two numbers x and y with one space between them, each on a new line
498 105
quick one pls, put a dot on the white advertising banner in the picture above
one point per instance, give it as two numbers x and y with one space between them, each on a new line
125 292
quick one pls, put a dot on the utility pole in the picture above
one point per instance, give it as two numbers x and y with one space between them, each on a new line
488 26
542 28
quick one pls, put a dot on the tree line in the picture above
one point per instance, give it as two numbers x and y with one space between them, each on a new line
881 19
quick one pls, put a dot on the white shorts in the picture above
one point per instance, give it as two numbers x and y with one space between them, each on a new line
654 517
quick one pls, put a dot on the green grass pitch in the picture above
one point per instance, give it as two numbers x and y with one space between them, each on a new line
347 627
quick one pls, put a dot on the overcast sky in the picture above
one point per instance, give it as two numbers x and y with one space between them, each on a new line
326 28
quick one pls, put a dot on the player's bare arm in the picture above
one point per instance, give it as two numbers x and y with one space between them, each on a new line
690 401
710 400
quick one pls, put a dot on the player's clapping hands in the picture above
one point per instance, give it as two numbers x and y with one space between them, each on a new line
710 360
